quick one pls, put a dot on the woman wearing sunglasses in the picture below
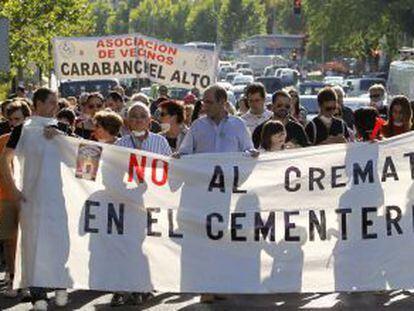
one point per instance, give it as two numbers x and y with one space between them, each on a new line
84 124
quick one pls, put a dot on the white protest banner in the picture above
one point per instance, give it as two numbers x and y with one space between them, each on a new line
330 218
134 56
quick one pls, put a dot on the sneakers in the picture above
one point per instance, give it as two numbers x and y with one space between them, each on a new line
40 305
10 292
207 298
61 297
119 299
134 299
25 294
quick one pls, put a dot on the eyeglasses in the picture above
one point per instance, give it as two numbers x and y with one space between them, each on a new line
375 95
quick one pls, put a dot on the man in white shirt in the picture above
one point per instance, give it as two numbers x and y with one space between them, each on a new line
257 114
139 121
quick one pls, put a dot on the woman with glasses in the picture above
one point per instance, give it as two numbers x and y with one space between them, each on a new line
172 123
84 124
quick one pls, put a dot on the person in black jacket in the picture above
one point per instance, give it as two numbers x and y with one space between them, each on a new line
281 108
325 128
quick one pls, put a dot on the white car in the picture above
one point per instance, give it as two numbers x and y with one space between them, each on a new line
242 80
334 80
239 90
225 85
356 102
231 75
245 71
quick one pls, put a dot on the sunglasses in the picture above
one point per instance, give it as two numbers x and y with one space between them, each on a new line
375 96
94 106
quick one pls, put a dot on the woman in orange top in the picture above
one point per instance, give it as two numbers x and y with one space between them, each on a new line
16 113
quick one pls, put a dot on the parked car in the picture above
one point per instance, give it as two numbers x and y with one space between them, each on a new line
245 71
288 76
310 103
223 71
76 87
311 87
271 84
242 65
239 90
334 80
231 98
356 102
226 85
357 87
230 76
242 80
177 93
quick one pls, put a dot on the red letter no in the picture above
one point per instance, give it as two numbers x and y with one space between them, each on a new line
164 178
139 169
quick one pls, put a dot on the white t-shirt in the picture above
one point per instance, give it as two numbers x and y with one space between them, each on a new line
253 120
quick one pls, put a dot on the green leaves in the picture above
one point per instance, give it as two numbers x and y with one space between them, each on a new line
33 24
354 27
239 19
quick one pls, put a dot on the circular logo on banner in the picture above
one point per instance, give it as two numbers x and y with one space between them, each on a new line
202 62
67 49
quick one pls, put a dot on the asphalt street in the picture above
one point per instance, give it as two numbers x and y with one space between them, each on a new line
90 300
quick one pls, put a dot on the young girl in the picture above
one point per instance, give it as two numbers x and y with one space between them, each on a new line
273 136
399 117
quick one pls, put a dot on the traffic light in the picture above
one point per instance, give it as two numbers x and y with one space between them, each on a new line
297 6
294 55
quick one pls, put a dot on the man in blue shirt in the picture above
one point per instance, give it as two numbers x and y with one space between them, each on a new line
218 131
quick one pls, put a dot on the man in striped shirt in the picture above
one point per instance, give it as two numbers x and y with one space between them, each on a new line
139 120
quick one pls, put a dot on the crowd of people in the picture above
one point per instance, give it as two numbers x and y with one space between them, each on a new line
206 124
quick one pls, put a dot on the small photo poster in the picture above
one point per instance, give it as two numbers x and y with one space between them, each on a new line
87 162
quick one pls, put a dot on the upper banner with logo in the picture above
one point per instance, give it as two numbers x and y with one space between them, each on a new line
321 219
134 56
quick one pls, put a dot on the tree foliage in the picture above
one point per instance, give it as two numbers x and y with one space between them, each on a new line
33 25
350 27
201 24
355 27
118 20
239 19
101 11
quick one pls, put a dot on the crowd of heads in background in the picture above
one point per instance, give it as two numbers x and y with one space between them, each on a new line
93 116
